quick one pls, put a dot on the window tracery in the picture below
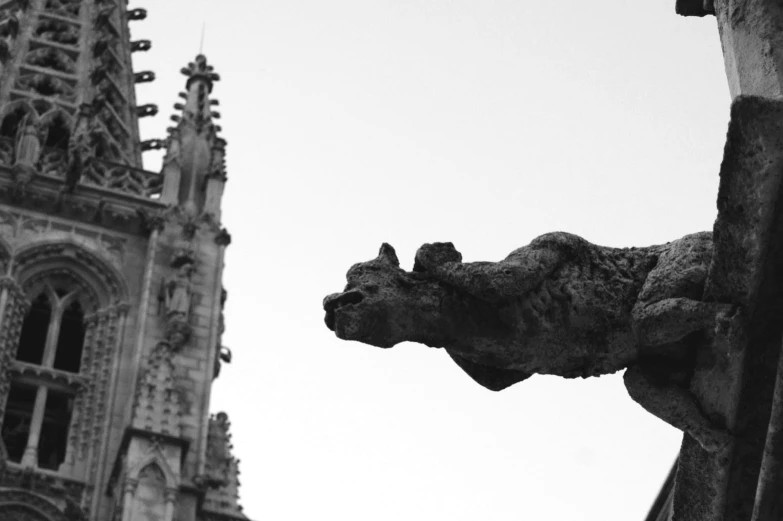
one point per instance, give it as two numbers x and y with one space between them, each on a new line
39 410
53 393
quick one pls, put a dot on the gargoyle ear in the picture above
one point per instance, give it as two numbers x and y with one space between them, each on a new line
388 255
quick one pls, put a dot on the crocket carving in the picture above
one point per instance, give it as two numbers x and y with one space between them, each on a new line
559 306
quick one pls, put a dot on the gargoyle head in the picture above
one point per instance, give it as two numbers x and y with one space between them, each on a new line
382 305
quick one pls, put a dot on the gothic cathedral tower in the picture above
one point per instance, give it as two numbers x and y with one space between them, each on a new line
111 301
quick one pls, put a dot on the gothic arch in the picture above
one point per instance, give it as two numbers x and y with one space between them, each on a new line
75 257
56 121
57 112
12 115
154 458
15 105
27 506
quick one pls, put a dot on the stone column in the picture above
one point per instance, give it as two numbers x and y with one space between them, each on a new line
50 350
30 457
127 503
171 502
751 34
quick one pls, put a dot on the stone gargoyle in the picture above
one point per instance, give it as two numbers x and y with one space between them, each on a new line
559 306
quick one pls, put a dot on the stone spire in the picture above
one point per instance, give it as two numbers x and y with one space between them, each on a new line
59 56
194 168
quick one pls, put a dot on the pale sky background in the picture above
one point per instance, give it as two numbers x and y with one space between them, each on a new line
485 123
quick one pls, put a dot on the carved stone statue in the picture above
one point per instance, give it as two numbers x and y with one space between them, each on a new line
175 298
80 147
177 291
559 306
28 150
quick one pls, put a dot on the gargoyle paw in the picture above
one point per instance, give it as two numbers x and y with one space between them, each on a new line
430 256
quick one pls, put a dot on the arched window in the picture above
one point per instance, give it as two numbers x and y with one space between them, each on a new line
58 134
38 412
68 356
53 331
32 342
11 122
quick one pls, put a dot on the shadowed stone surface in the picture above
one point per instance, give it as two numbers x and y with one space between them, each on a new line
735 375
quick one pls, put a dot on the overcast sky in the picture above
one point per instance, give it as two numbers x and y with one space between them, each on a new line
485 123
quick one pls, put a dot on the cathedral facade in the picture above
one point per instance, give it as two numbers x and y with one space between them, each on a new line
111 295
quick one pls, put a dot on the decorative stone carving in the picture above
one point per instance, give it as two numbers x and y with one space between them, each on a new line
150 495
9 29
222 472
80 147
178 292
149 483
67 8
153 221
51 58
222 355
15 310
223 238
558 306
218 456
175 297
28 149
157 408
46 86
194 162
57 31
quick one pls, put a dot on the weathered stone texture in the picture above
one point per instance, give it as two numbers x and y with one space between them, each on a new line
695 321
751 33
559 306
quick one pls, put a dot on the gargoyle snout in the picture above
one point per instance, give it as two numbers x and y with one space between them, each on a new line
337 300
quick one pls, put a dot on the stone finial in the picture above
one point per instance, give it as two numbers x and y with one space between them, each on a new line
200 70
194 166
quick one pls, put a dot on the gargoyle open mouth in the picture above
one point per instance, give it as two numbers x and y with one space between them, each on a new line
337 300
